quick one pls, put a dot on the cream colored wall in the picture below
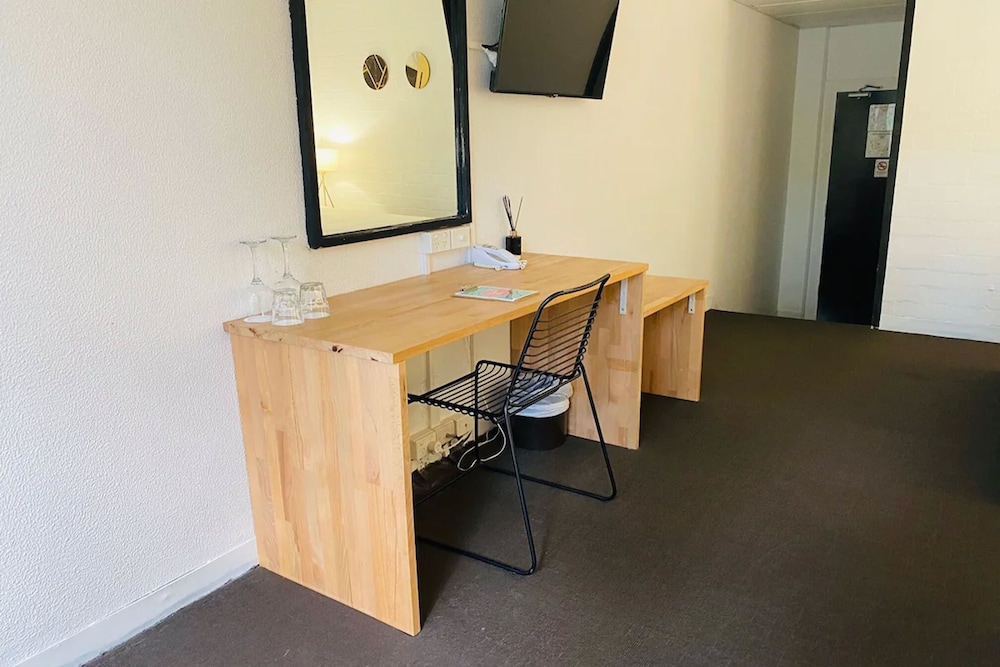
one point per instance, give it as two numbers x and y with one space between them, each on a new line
830 61
943 269
683 164
141 141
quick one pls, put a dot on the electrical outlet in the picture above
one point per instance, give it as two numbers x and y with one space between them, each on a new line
422 444
461 237
445 430
463 425
434 242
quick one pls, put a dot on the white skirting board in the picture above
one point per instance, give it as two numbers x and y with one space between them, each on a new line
147 611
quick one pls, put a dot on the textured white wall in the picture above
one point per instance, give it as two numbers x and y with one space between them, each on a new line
943 270
830 60
141 140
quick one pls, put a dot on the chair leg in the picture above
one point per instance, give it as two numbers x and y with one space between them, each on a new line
604 452
520 494
600 436
524 514
475 421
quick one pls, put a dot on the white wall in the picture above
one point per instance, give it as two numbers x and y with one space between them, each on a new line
683 164
142 140
830 61
943 269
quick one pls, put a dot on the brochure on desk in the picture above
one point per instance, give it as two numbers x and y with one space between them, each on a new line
488 293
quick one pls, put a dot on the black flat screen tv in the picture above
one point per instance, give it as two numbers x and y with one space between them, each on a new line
558 48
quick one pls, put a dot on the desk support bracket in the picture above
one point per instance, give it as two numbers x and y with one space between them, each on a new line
691 304
623 297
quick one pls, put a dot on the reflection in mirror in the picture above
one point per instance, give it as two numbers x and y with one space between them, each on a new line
418 70
376 72
385 132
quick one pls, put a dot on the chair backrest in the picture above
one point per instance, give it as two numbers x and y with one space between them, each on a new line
556 343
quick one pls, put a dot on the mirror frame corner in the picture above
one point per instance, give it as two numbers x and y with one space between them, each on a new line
455 18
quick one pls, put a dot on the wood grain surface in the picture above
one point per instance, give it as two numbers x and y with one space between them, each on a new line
613 362
673 337
397 321
328 466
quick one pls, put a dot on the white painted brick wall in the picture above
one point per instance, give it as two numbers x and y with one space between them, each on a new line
943 270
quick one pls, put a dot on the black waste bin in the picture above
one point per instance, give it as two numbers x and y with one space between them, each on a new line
544 425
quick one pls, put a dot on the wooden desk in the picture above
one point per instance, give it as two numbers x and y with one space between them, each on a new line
323 408
674 312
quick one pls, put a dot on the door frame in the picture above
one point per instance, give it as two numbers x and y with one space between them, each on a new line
904 68
817 224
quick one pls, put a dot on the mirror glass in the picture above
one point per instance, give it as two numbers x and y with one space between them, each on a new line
387 109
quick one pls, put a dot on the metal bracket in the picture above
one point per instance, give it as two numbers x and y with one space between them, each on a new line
691 304
623 297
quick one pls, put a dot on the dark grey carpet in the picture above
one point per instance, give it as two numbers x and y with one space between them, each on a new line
832 501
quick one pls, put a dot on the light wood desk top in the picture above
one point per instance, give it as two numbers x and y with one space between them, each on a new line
394 322
660 292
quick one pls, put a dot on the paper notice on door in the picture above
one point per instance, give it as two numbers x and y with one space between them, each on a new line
879 145
881 169
881 117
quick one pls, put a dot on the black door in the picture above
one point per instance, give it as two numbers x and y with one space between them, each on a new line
855 206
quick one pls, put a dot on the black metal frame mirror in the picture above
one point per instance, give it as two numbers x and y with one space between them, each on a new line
455 19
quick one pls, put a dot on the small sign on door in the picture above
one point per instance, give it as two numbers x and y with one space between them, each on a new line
879 145
881 169
881 120
881 117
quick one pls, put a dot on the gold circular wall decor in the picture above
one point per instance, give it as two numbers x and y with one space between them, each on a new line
376 72
418 70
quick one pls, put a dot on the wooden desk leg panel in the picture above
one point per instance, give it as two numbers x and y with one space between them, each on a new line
614 366
329 475
672 351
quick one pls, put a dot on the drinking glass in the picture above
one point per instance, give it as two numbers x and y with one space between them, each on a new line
313 301
286 312
287 281
259 293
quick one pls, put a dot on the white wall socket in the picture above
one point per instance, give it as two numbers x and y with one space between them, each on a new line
434 242
432 444
461 237
445 430
463 425
421 445
444 240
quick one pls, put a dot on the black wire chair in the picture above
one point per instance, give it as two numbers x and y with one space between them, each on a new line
551 358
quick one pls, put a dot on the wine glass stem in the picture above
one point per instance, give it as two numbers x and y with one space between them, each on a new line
284 255
253 255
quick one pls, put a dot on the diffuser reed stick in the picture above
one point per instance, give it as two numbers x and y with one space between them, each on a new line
512 219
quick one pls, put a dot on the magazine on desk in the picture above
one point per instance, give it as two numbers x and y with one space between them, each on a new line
488 293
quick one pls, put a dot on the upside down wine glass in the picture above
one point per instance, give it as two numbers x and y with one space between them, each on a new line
287 281
260 294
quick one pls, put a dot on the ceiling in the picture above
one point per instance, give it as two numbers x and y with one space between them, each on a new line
828 13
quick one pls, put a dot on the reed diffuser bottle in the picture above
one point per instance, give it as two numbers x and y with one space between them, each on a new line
512 243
